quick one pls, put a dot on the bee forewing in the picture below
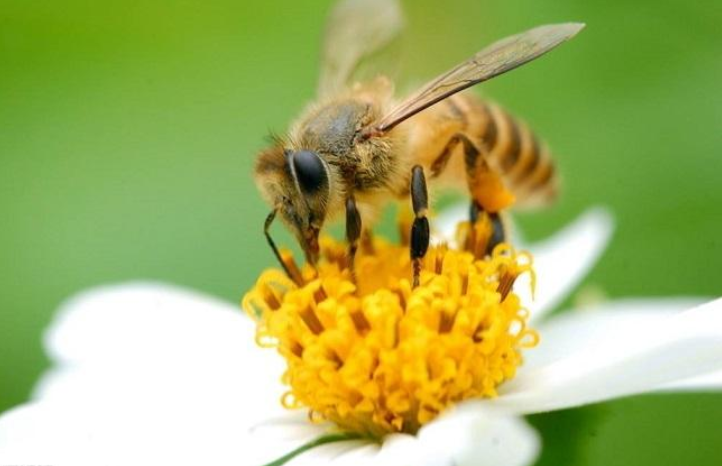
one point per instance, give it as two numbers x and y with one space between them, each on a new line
496 59
355 29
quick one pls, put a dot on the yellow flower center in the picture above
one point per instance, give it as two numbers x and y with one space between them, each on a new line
378 356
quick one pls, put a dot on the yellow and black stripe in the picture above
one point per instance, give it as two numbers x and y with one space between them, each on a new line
525 164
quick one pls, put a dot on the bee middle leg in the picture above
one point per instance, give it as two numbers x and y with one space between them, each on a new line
474 162
419 238
353 232
367 241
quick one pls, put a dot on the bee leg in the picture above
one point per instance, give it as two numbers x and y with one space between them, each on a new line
470 150
419 238
367 241
498 233
474 158
353 232
475 163
272 244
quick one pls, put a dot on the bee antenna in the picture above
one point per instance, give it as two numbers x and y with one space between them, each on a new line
272 244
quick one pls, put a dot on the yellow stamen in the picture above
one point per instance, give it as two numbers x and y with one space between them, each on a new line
379 356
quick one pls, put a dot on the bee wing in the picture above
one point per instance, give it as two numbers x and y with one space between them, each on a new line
496 59
354 30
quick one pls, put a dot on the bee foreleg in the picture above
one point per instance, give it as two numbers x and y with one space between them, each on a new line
353 232
419 243
292 271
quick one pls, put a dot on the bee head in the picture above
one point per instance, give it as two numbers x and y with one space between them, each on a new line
296 184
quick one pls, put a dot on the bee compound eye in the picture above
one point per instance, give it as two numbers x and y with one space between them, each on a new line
310 171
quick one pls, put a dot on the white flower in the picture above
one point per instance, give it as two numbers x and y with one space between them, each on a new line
152 374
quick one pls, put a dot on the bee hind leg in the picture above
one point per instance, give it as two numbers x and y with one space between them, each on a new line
419 238
498 231
475 164
472 154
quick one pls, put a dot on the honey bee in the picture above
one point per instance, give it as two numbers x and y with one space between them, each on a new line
357 147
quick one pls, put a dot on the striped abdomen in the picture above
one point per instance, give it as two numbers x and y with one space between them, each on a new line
523 163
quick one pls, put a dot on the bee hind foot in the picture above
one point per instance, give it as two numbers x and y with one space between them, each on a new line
486 231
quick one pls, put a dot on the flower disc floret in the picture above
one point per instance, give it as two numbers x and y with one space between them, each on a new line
376 355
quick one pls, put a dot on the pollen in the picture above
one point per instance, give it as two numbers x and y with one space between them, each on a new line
378 356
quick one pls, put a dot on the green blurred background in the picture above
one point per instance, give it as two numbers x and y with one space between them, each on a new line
128 131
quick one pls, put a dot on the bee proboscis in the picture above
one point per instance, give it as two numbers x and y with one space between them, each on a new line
357 147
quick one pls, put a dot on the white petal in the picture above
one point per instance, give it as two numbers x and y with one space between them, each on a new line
562 261
347 453
470 435
133 322
156 374
32 434
152 340
572 331
115 435
281 434
444 225
624 362
707 382
475 436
